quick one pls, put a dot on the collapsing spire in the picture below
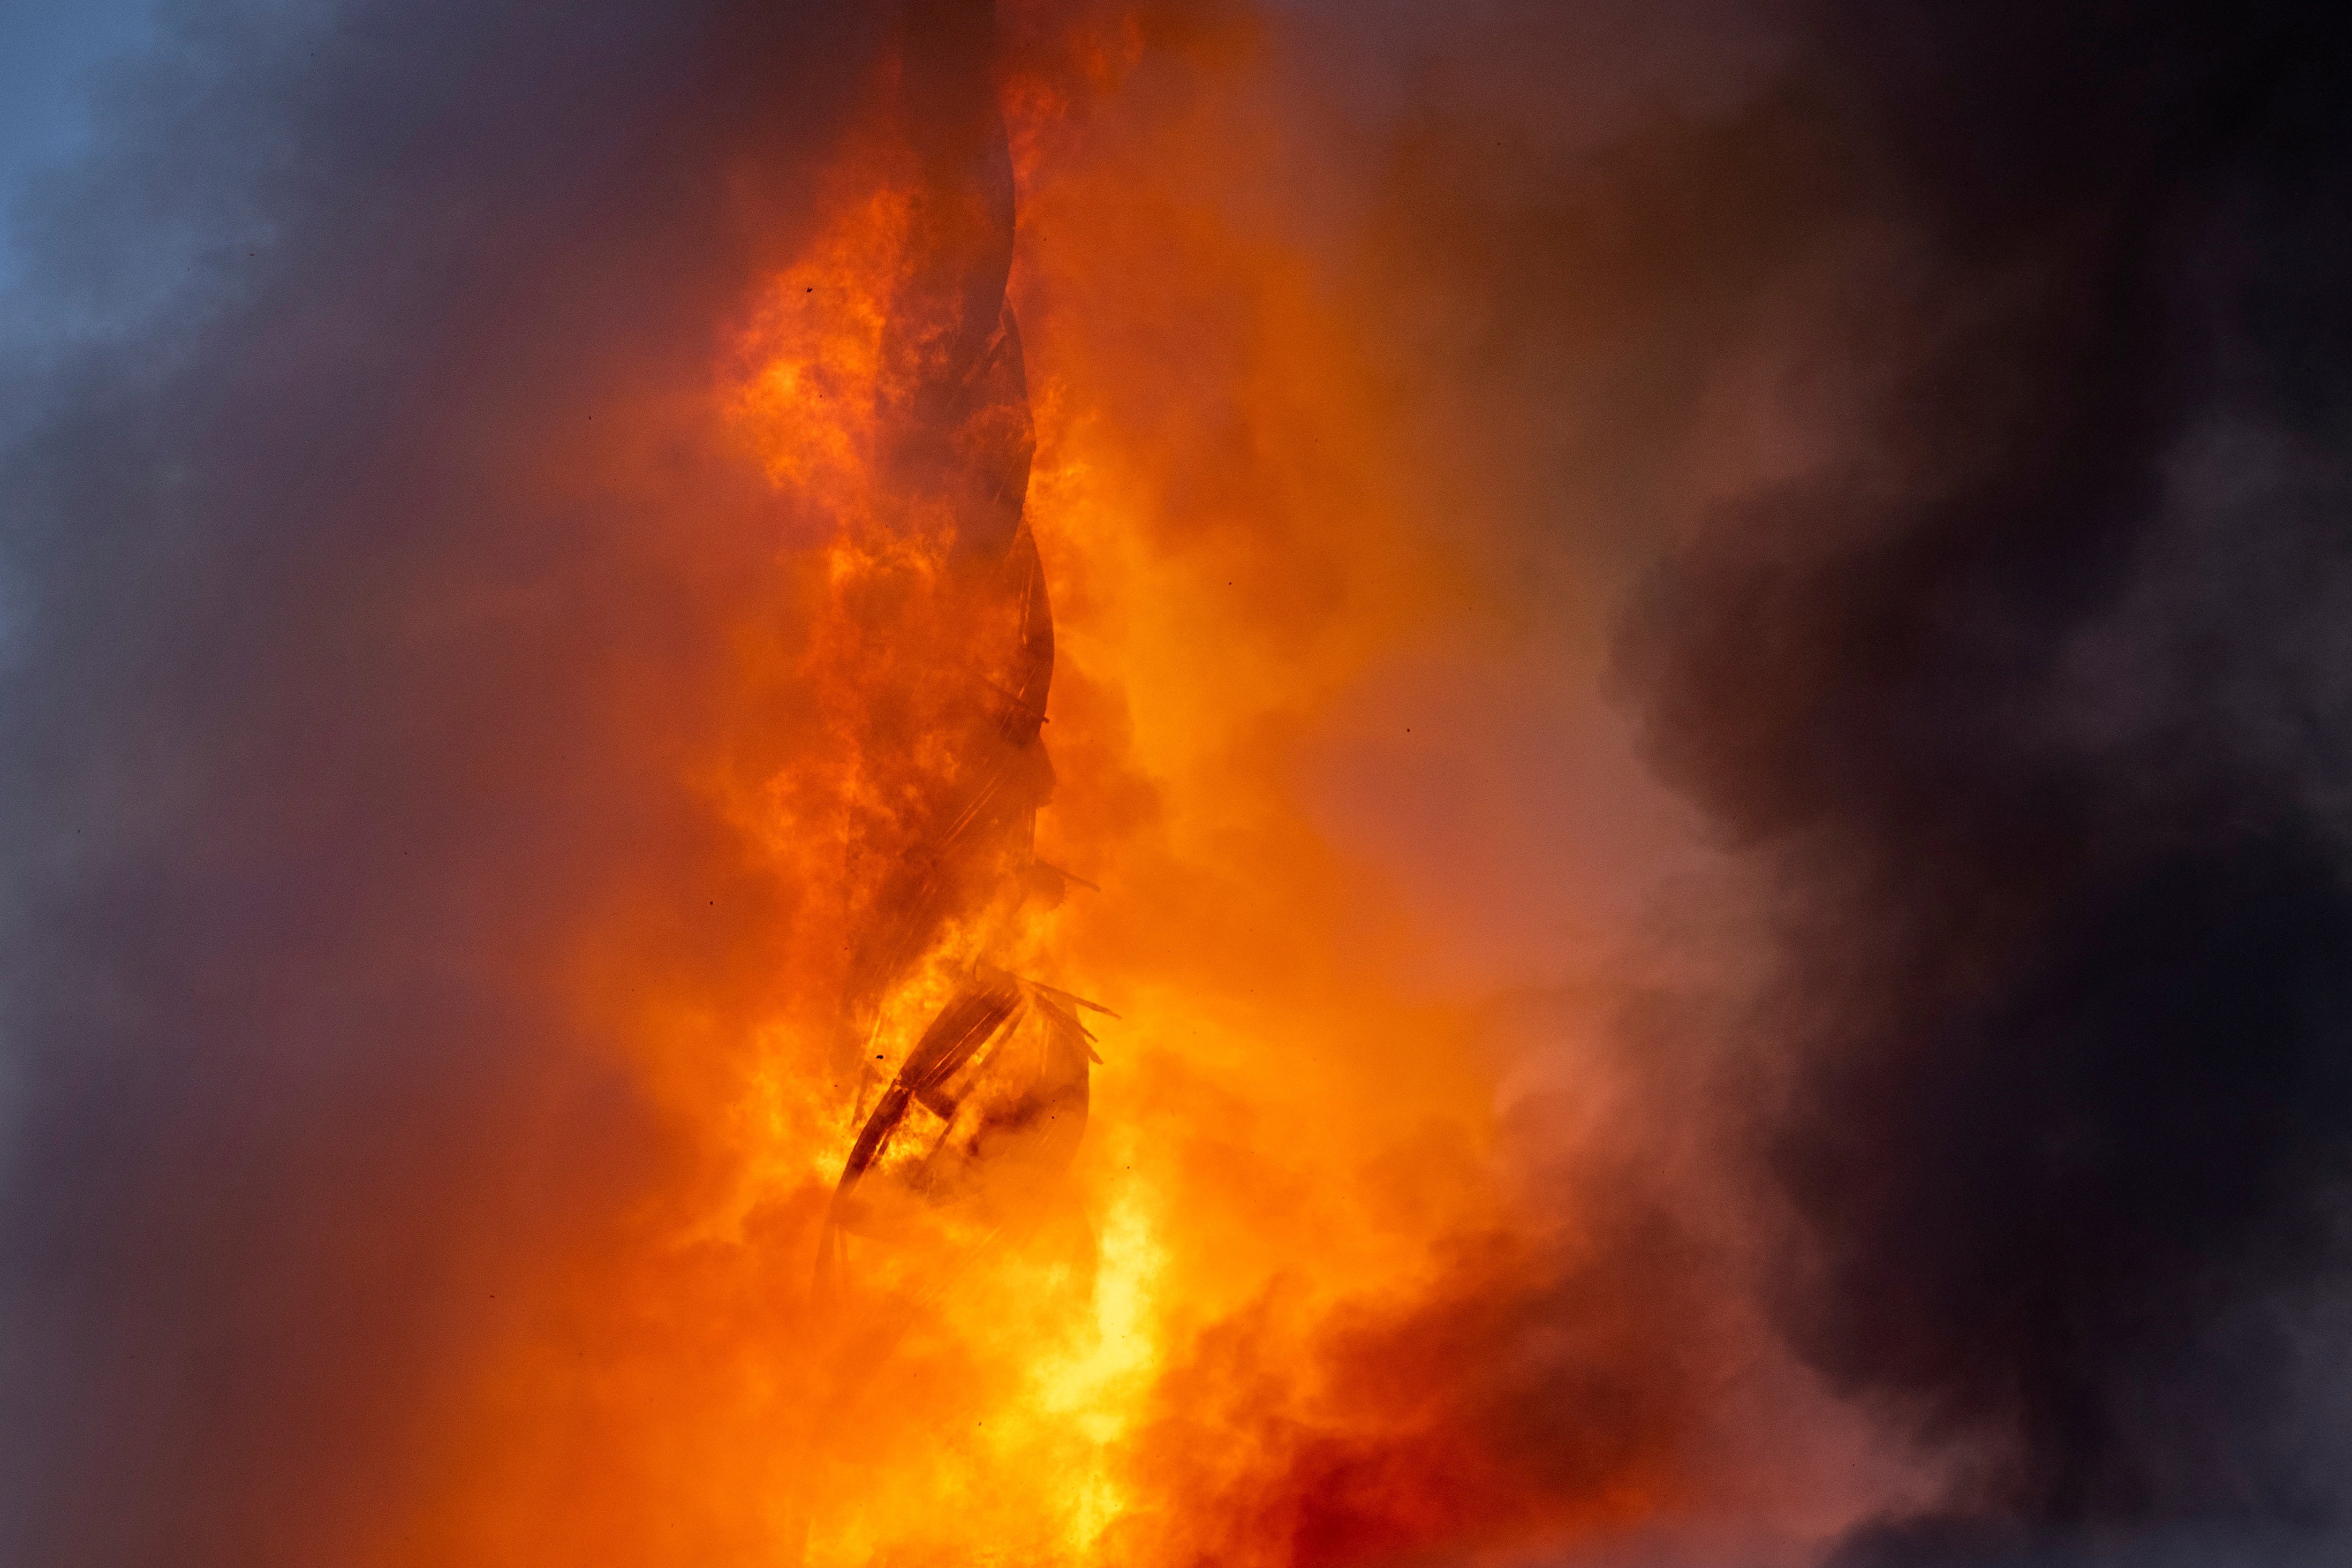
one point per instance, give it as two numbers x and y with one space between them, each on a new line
1004 1062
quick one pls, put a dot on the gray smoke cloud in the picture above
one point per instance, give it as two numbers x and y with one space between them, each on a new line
1969 386
301 710
2028 703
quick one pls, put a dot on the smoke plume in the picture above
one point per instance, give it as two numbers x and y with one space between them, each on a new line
325 615
2029 703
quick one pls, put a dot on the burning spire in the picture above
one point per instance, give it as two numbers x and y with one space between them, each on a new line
1003 1063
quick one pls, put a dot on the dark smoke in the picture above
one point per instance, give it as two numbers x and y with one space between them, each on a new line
306 713
2033 707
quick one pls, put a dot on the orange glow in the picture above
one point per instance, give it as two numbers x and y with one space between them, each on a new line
1242 1337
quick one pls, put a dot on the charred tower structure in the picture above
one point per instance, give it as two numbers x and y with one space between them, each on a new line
1004 1062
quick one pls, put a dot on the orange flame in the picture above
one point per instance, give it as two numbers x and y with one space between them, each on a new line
1255 1332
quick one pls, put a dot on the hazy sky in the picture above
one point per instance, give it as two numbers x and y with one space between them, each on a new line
48 51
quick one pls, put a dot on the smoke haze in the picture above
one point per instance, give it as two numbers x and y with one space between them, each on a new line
314 711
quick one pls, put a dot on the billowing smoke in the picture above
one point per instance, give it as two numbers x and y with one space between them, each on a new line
2030 702
324 622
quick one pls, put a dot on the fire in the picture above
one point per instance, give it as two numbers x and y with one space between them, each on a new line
1226 1327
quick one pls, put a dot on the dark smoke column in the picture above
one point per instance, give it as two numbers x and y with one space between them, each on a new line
1004 1061
2040 733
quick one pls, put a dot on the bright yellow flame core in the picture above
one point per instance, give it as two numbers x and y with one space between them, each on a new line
1267 1071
